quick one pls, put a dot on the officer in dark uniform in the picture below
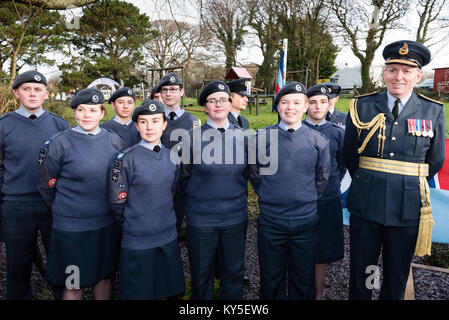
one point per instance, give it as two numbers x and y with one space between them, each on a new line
240 90
394 143
334 115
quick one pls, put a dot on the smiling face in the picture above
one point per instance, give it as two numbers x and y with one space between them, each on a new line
218 107
400 79
123 107
31 95
318 108
291 107
151 126
88 116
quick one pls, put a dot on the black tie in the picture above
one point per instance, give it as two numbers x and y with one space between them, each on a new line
156 149
221 129
172 115
328 116
291 130
395 111
239 119
33 116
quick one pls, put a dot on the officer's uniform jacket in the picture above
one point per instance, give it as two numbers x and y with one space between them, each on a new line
338 117
234 121
386 198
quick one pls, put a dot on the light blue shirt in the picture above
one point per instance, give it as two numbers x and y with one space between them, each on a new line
179 112
213 125
148 145
402 104
23 112
235 114
323 122
118 121
81 130
284 127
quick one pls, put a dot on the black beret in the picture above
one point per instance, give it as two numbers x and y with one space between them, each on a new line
87 96
154 91
319 89
170 79
212 87
407 52
288 88
241 86
148 107
29 76
335 89
122 92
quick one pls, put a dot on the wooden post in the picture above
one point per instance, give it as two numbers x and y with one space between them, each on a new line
257 105
250 104
410 288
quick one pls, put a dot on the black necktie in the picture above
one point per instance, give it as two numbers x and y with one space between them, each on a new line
156 149
328 116
33 116
291 130
395 111
239 119
221 129
172 115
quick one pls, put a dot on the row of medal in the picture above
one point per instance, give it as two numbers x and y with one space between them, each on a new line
420 127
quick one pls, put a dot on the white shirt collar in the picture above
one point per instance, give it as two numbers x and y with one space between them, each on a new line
392 99
81 130
148 145
284 127
121 122
213 125
179 112
323 122
23 112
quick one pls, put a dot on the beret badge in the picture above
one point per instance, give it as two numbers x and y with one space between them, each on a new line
403 50
298 88
95 98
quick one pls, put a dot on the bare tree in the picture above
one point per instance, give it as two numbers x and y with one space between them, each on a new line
363 25
431 20
54 4
227 22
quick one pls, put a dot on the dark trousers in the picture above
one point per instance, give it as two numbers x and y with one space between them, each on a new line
20 223
398 245
178 206
286 246
212 247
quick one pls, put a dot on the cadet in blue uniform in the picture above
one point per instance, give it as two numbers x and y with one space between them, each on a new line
330 243
334 115
142 184
22 133
240 90
123 102
388 196
287 223
72 178
214 180
171 91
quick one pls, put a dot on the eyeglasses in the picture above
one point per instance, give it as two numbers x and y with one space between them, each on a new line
171 90
221 101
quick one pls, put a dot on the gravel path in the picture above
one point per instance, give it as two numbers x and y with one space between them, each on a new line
429 285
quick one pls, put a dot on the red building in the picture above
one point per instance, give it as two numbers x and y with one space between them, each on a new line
441 80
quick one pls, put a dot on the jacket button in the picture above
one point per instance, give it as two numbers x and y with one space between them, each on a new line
393 138
391 155
396 123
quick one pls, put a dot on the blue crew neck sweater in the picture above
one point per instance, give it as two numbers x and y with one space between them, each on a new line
73 179
20 141
335 136
128 133
216 194
185 122
303 170
147 216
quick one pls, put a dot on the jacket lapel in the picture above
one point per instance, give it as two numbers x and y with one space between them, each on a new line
382 105
412 106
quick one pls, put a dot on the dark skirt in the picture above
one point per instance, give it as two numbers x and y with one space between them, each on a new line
330 242
91 254
151 274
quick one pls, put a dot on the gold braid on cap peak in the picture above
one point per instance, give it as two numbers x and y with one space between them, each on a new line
378 122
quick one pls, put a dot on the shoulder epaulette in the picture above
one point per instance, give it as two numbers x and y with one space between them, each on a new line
4 115
429 99
52 138
366 94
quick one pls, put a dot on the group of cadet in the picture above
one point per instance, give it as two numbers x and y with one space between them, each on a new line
110 198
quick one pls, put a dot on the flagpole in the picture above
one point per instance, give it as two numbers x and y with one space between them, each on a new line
284 48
